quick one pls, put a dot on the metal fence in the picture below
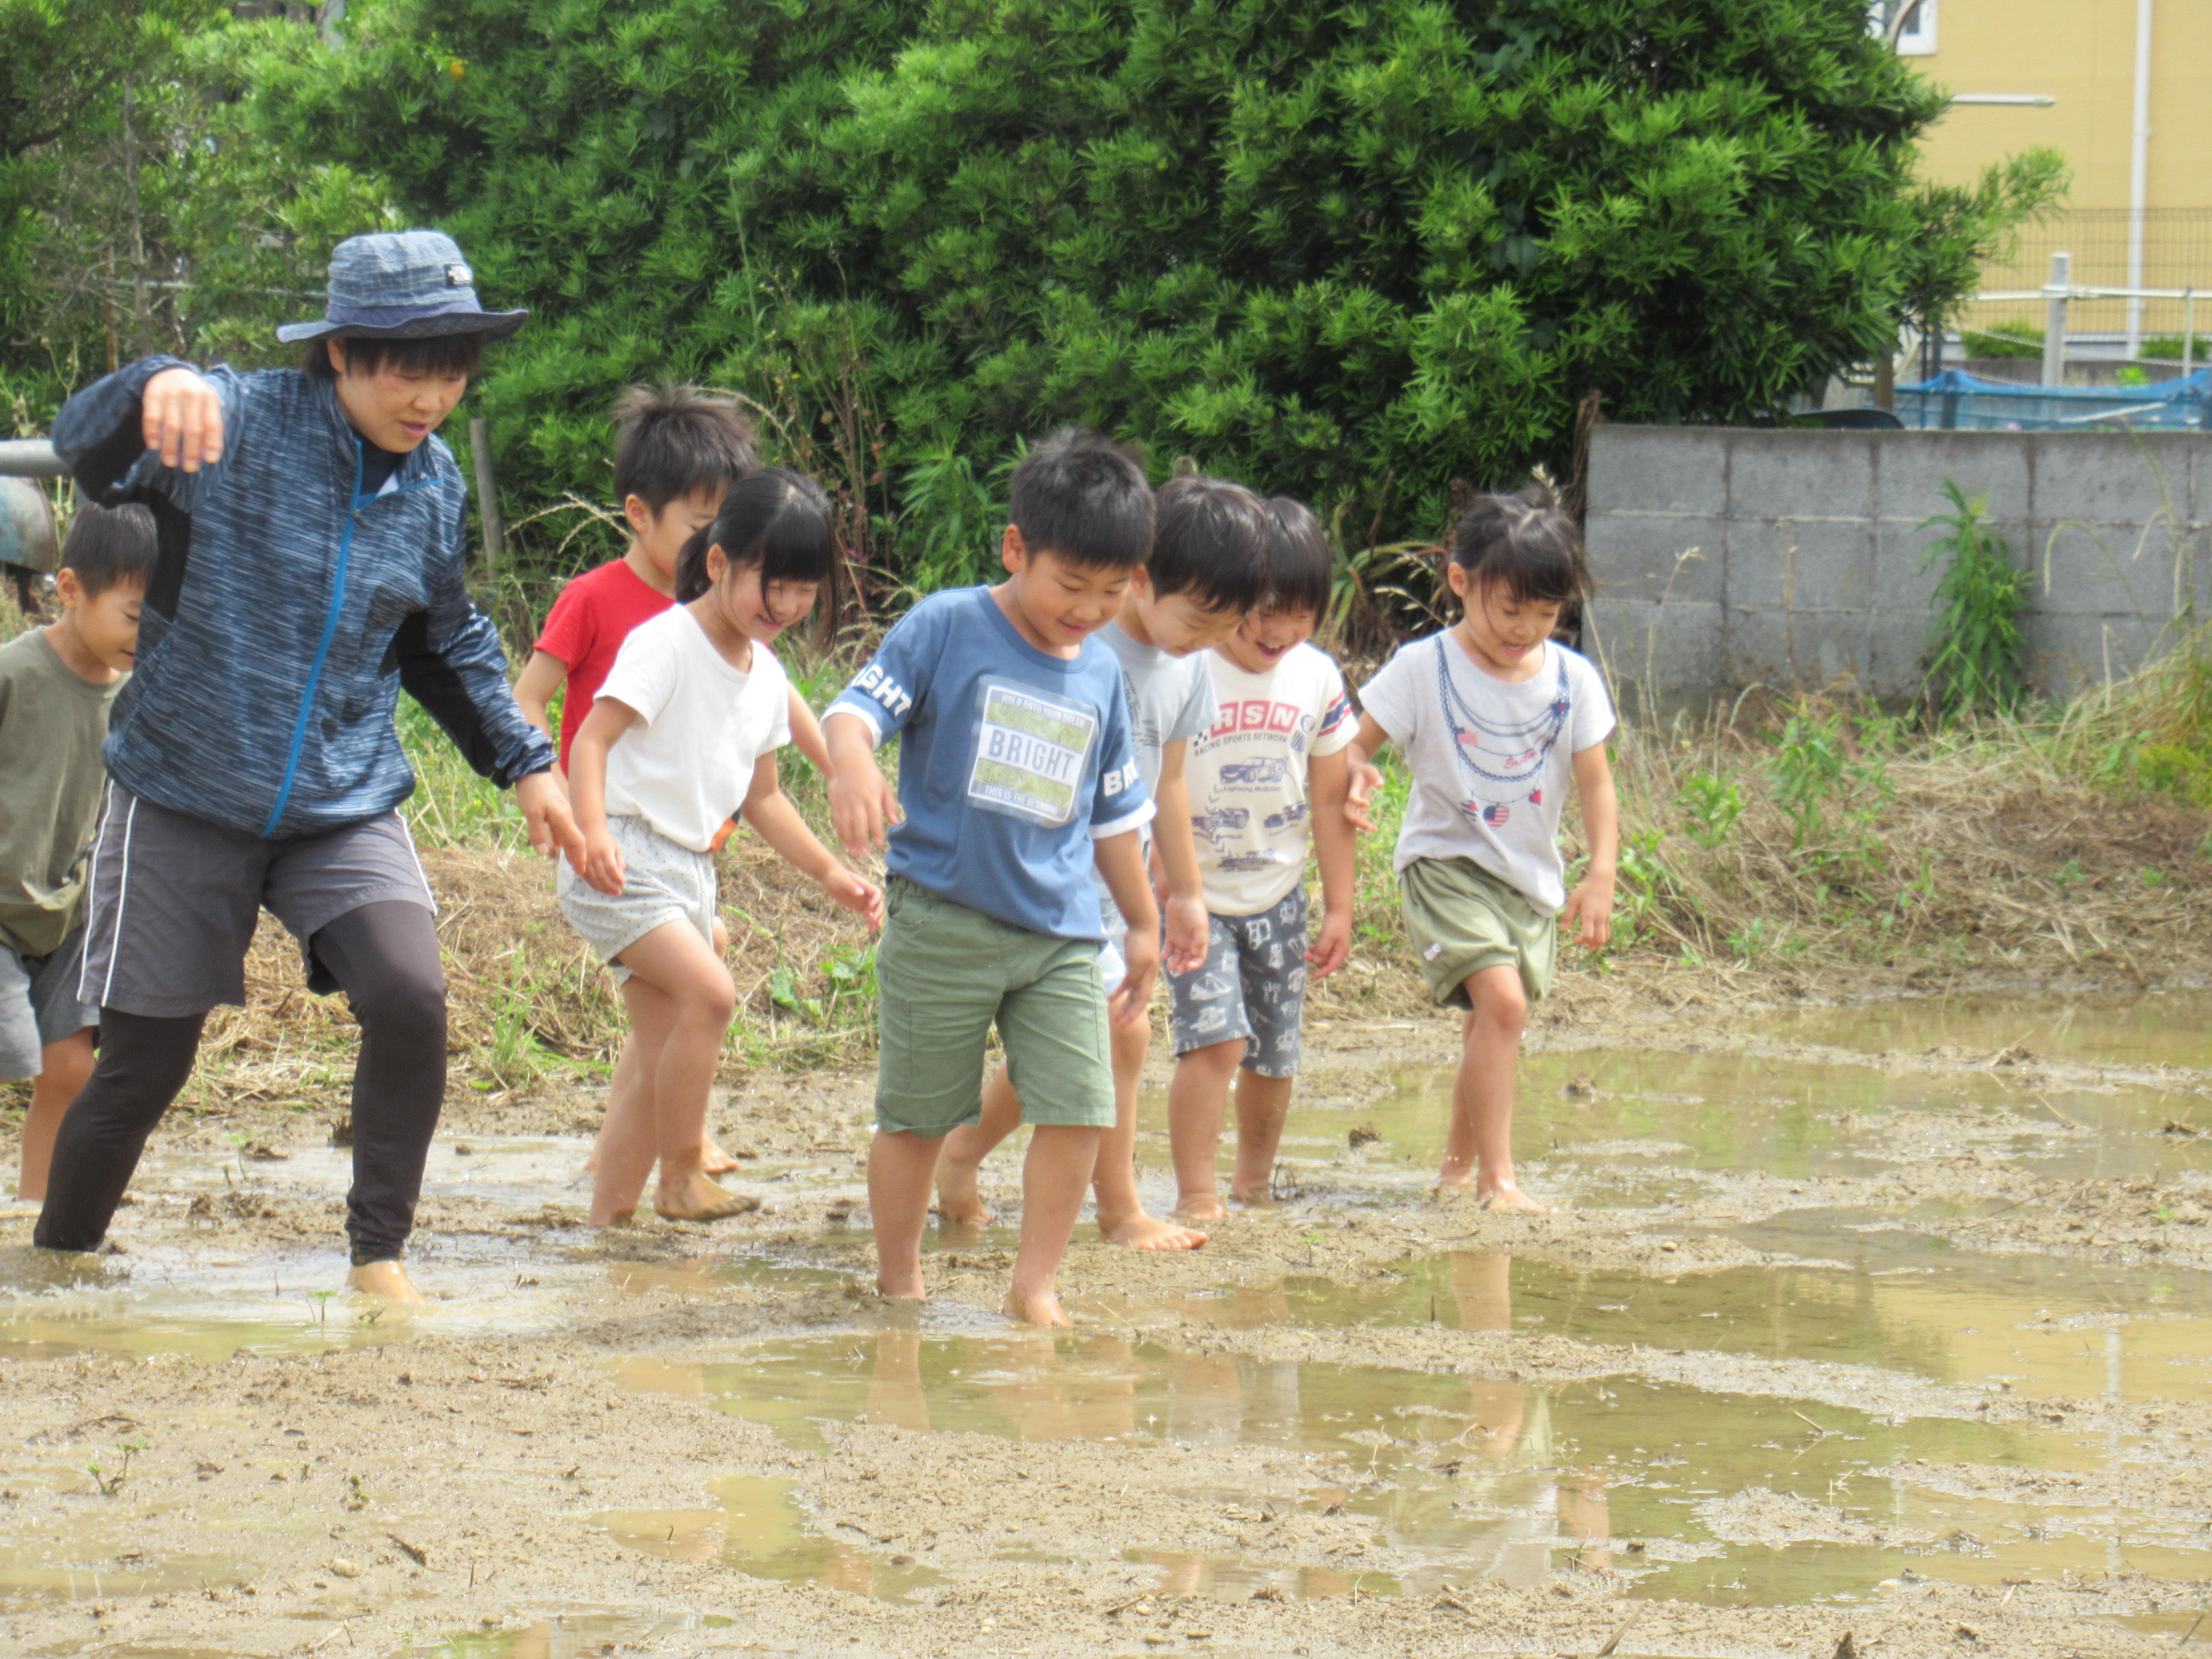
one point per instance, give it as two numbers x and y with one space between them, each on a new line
2177 255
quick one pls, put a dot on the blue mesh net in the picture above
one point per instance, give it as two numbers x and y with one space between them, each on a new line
1956 398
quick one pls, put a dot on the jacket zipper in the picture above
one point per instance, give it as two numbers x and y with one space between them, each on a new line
322 648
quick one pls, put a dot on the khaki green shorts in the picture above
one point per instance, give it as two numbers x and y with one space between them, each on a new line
1461 919
946 973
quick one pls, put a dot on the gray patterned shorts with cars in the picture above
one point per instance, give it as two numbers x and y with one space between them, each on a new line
1251 985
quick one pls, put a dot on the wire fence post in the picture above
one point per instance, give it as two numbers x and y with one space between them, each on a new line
2054 323
487 497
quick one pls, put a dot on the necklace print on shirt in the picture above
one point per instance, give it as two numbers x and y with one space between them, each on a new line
1500 765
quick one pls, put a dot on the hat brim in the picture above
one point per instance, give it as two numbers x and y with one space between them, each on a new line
492 325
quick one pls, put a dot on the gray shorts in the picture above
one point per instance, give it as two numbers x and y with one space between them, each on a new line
39 1004
1251 985
662 882
171 900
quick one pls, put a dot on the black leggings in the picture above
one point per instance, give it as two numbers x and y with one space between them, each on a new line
384 957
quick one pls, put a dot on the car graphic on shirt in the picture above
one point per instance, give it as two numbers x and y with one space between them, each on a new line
1219 821
1294 813
1256 774
1248 861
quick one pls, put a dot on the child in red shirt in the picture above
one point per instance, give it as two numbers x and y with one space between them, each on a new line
676 453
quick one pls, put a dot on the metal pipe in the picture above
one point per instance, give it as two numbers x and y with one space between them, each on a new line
30 458
2054 322
2139 183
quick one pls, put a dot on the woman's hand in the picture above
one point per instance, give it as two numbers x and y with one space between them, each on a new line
183 419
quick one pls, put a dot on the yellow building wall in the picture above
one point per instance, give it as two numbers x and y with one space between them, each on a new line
2082 53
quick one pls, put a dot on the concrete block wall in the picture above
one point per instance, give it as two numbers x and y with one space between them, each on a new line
1727 557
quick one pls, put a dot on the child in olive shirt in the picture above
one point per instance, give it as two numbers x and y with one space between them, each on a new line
57 684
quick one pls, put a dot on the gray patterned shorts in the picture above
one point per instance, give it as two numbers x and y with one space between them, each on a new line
1251 985
662 882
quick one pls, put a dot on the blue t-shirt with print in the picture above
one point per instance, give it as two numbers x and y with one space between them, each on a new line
1011 761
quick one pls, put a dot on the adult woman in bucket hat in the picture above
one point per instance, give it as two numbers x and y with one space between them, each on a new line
312 559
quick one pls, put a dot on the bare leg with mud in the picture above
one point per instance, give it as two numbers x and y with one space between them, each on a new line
681 1002
1263 1105
1198 1101
901 1167
1061 1160
713 1159
1122 1218
64 1067
1479 1141
958 1203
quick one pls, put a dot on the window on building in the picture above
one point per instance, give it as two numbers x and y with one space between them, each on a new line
1915 34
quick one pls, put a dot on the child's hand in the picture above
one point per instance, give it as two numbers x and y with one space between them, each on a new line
1326 953
862 804
1131 1001
602 866
182 417
1591 905
863 898
1366 778
1188 927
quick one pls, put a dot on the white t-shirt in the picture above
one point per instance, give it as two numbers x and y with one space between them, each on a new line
1248 807
687 763
1170 701
1492 759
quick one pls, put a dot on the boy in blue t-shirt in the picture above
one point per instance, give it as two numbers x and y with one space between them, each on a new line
1017 777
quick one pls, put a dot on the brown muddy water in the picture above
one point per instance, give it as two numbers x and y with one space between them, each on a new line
1893 1321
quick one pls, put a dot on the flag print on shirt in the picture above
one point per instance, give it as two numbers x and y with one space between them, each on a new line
1494 759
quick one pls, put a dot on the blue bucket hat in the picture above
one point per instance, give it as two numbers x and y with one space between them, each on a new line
403 285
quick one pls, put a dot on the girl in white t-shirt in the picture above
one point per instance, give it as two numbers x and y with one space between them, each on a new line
1495 719
685 732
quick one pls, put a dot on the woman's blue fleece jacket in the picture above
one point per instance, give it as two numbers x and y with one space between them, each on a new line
285 612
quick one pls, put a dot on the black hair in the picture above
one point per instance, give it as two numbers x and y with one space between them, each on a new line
1301 571
1084 500
776 519
1527 542
1211 540
671 441
108 545
422 354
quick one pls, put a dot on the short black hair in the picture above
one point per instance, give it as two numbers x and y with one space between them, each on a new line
1211 540
671 441
1525 541
110 545
425 354
1083 499
1301 573
776 519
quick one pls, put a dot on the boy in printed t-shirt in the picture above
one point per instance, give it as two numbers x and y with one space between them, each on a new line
1208 568
57 685
1017 775
1269 780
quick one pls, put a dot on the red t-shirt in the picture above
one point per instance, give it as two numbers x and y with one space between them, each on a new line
585 629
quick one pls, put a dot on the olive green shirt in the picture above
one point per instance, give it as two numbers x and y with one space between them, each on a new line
51 725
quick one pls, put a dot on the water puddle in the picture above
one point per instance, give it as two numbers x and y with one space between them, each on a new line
1718 1498
2146 1027
758 1529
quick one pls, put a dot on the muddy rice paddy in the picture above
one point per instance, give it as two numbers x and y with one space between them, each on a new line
1890 1323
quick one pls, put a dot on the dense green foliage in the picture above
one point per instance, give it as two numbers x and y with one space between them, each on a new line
1975 648
1345 252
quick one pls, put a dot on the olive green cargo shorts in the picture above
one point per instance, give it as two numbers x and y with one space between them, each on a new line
945 973
1461 919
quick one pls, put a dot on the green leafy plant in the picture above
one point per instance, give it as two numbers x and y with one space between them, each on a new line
1975 646
1714 805
110 1485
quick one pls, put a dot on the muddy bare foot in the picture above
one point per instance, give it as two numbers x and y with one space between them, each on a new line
959 1204
714 1161
385 1279
1041 1308
698 1199
1202 1206
902 1286
1148 1232
1505 1195
620 1219
1259 1198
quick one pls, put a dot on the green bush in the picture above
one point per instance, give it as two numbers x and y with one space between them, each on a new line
1346 253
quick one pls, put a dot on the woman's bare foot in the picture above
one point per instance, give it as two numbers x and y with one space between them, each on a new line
1041 1308
959 1204
385 1279
695 1198
1202 1206
1142 1231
